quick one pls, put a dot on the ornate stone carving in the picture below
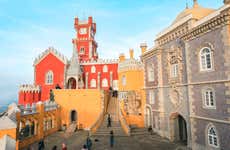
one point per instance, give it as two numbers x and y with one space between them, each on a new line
175 97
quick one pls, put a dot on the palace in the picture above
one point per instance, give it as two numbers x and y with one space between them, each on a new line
180 88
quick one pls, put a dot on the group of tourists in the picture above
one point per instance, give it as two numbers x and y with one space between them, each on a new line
86 146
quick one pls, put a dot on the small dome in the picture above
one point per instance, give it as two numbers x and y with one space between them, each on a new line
197 12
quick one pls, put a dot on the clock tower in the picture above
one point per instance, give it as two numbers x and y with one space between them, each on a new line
85 41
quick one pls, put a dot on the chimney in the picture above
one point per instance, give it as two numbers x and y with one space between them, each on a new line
195 4
131 53
90 19
143 47
226 2
76 22
121 57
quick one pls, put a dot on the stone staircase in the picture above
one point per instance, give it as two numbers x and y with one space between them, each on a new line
71 128
113 110
139 131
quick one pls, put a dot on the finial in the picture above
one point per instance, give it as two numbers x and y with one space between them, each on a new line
195 3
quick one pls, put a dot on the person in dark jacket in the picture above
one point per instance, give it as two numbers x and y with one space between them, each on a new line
109 119
41 145
88 143
111 139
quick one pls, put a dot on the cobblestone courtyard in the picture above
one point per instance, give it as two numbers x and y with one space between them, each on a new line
76 140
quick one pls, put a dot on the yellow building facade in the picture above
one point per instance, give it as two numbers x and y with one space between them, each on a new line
131 93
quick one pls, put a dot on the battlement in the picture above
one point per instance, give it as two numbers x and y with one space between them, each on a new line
99 61
48 51
130 64
77 21
29 88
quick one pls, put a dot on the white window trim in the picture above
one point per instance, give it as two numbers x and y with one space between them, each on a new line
93 69
105 68
105 83
204 98
211 61
80 52
123 80
151 97
151 72
93 83
174 70
209 126
49 77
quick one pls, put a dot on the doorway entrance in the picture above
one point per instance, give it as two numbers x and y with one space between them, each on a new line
178 128
72 83
73 116
148 117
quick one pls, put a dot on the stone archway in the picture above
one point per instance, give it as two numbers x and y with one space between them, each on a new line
73 116
178 126
148 116
72 83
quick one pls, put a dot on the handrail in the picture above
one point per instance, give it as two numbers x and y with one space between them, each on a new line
100 119
124 123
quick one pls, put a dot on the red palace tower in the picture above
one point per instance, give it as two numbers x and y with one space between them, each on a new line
83 71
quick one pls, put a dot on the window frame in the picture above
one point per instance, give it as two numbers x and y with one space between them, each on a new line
174 70
209 91
152 96
80 52
216 137
202 68
105 68
49 77
93 69
93 83
105 83
150 72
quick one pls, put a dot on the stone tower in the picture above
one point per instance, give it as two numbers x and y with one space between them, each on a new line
85 41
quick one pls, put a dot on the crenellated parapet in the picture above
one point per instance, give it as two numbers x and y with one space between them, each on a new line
99 61
29 88
52 51
130 64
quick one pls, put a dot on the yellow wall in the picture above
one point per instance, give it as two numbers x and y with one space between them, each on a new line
86 102
134 82
9 132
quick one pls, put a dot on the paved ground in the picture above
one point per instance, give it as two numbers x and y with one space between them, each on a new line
141 142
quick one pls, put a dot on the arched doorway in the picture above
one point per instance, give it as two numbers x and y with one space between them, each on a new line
72 83
148 116
73 116
178 128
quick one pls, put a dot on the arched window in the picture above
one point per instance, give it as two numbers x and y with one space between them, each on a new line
49 77
212 136
105 68
93 83
93 69
104 83
123 80
82 50
209 98
206 59
150 72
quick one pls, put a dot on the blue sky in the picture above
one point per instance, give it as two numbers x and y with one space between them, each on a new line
28 27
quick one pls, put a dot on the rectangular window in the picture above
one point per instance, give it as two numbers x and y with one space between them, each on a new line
151 97
174 70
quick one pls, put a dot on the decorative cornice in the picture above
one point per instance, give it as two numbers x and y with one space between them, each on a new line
150 52
52 51
130 64
99 61
29 88
215 20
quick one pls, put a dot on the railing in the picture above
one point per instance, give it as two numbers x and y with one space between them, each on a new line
100 119
123 122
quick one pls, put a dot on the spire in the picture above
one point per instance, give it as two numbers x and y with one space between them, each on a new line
195 4
74 58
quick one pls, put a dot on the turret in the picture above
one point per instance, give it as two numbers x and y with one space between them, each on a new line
131 54
143 47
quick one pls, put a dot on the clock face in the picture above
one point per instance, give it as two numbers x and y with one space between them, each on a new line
82 30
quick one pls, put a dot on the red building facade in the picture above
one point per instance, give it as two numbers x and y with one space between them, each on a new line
83 70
